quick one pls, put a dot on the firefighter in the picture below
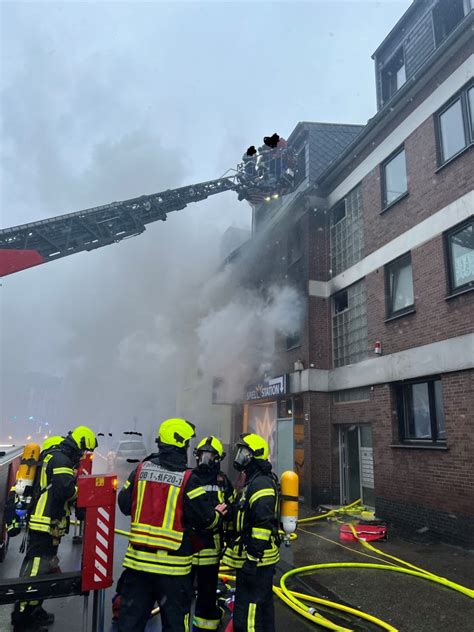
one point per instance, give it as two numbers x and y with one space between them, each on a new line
164 509
253 551
207 474
54 491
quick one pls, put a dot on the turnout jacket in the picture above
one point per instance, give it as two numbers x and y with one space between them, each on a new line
255 522
55 491
160 540
218 489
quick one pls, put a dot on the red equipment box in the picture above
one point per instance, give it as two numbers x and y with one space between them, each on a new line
97 495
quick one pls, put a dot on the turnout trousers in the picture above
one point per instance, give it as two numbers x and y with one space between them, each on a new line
253 607
141 590
40 559
207 615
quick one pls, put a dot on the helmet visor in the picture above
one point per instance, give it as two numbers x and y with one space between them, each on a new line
205 457
242 458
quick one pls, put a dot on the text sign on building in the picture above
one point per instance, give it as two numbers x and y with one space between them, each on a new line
274 387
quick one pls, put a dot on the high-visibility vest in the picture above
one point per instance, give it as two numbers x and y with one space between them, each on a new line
157 507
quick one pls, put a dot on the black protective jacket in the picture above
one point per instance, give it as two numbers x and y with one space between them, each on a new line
218 489
255 519
55 489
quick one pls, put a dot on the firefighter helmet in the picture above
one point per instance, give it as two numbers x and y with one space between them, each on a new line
51 442
250 446
210 444
176 432
84 438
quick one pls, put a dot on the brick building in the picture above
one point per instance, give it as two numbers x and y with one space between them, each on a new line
379 238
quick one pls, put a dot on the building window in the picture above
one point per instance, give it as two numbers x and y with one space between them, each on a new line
349 325
420 412
347 232
447 14
297 276
394 178
295 244
351 395
399 286
393 75
460 251
300 166
456 125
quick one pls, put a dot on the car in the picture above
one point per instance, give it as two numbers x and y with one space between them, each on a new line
129 452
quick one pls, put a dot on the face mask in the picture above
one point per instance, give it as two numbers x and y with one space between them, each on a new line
242 458
206 460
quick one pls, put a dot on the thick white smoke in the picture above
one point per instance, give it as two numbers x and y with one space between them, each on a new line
237 341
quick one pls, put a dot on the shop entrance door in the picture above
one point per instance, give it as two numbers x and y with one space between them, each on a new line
357 464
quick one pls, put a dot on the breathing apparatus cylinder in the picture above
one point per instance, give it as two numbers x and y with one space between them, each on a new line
289 503
27 470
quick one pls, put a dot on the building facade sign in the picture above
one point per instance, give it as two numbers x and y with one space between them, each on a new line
267 388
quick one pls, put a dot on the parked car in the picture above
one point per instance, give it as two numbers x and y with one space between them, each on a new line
128 452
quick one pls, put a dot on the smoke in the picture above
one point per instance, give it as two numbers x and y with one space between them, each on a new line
237 342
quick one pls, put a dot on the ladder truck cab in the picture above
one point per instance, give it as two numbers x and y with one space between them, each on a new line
261 177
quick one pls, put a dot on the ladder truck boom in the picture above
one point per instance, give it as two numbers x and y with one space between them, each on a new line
259 178
38 242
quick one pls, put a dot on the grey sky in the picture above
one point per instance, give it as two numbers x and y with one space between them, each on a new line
105 101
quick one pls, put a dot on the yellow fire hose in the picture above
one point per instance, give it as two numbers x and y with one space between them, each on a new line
298 601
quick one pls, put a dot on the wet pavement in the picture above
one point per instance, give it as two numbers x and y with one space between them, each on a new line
408 603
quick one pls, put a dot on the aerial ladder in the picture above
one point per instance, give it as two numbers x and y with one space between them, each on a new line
21 247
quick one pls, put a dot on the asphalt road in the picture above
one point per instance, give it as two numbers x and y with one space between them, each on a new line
409 604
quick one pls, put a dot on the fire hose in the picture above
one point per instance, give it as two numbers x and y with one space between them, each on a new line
299 601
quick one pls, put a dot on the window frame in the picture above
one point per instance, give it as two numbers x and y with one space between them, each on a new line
466 287
386 205
467 120
402 402
409 309
298 177
388 67
336 206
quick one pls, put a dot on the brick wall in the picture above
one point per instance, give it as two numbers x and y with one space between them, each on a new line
428 191
439 484
435 318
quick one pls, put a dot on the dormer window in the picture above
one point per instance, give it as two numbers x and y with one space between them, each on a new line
393 75
447 14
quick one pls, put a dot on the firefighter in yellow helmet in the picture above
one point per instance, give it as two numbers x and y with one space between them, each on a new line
254 549
54 490
207 476
164 511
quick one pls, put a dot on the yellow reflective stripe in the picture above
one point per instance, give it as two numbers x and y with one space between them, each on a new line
194 493
63 470
251 617
261 534
160 556
35 567
170 511
140 494
43 477
252 558
220 496
155 541
126 484
152 530
206 624
263 492
159 562
215 521
186 622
